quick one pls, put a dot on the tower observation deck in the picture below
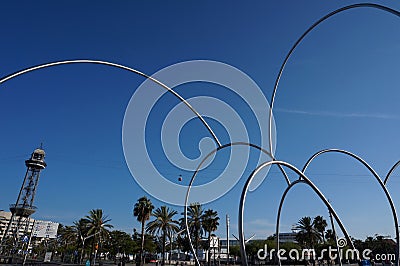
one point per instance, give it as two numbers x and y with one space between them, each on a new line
24 206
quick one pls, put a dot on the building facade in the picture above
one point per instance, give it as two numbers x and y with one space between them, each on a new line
5 217
36 228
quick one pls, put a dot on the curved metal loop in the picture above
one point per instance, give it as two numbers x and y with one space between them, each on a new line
99 62
390 172
195 174
381 7
278 217
244 194
377 177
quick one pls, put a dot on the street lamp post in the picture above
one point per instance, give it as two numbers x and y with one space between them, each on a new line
171 239
83 239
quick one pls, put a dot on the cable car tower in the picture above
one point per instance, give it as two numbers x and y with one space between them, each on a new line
15 237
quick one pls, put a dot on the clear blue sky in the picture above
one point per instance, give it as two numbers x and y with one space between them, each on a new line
339 90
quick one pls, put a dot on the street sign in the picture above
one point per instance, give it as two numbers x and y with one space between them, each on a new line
214 242
45 229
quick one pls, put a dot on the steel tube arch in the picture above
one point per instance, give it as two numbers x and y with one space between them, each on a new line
377 177
244 194
195 174
390 172
299 40
100 62
278 217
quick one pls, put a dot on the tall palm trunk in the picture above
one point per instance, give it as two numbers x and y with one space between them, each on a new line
170 248
209 249
197 243
163 248
142 246
100 248
92 251
82 255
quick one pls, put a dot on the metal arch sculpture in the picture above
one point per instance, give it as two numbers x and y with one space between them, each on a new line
194 177
278 217
100 62
89 61
244 194
391 172
303 178
299 40
377 177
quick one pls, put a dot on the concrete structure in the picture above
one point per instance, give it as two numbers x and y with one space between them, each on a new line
5 218
287 237
36 228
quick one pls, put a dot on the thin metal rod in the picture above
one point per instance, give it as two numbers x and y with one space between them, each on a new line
336 239
377 177
384 8
322 197
390 172
195 174
246 188
29 242
227 240
13 216
89 61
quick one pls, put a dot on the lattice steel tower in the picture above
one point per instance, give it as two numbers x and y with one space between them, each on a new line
19 225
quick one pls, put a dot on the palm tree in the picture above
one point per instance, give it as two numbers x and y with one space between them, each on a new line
97 224
307 234
142 210
164 223
69 234
320 224
210 224
81 229
195 215
330 236
66 236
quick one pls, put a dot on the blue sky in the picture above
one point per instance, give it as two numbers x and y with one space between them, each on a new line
339 90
